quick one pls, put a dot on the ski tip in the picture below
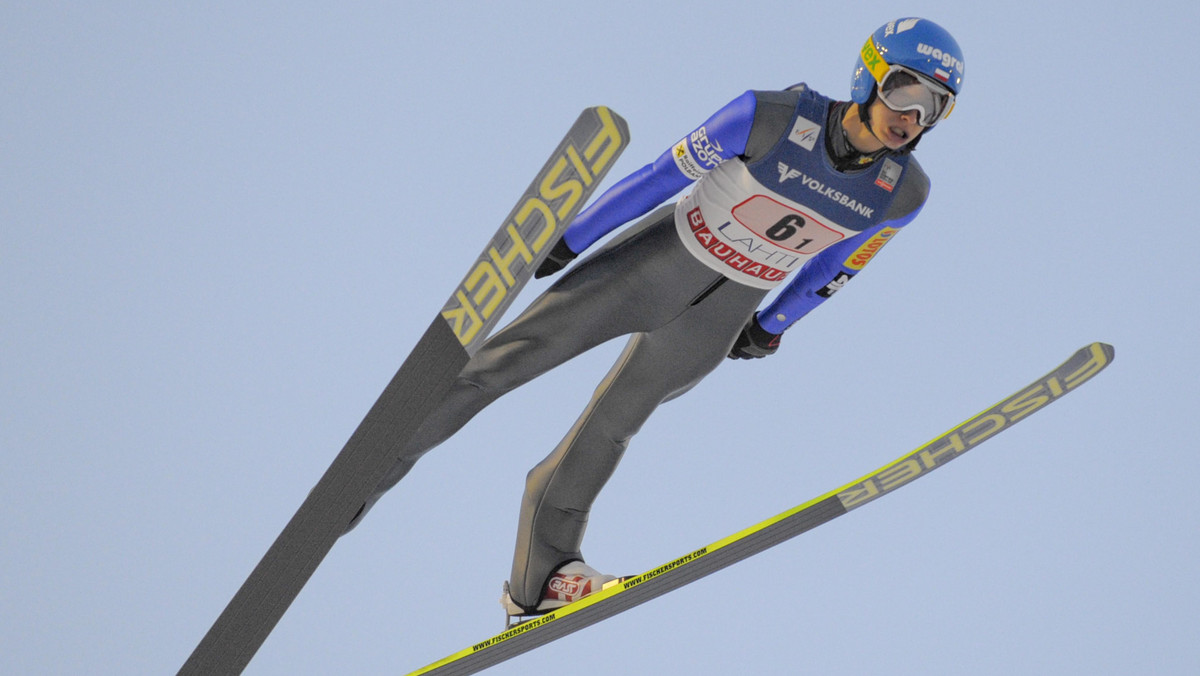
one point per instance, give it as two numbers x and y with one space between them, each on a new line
1099 348
1087 362
608 116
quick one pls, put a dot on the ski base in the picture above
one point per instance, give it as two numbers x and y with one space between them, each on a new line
634 591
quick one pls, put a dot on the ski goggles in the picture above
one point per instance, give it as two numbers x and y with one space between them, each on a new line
903 89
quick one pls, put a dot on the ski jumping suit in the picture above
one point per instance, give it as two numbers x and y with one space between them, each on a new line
683 281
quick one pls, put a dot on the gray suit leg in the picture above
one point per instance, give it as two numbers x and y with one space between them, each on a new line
655 367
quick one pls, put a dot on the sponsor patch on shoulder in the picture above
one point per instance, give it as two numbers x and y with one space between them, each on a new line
687 165
697 154
804 133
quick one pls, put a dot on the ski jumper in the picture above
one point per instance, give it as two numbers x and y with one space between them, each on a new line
683 282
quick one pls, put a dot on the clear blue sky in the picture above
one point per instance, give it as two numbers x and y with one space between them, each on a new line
222 227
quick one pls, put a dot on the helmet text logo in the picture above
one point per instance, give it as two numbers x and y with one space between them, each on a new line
946 58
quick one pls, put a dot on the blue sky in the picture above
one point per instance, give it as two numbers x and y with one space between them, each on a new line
222 227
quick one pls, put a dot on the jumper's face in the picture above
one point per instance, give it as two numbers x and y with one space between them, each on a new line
895 129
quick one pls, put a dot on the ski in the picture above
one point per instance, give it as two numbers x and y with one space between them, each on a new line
555 196
614 599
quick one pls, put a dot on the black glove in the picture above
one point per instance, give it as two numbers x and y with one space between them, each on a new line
754 342
556 260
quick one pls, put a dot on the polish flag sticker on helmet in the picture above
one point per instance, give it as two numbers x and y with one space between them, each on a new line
804 133
941 75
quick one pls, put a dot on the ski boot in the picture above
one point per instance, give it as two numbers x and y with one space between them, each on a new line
568 584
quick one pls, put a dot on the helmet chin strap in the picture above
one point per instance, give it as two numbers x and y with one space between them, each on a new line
864 114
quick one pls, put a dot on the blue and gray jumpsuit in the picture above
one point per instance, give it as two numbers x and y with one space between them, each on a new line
768 203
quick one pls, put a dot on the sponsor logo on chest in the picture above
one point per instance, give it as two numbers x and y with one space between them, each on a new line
787 173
